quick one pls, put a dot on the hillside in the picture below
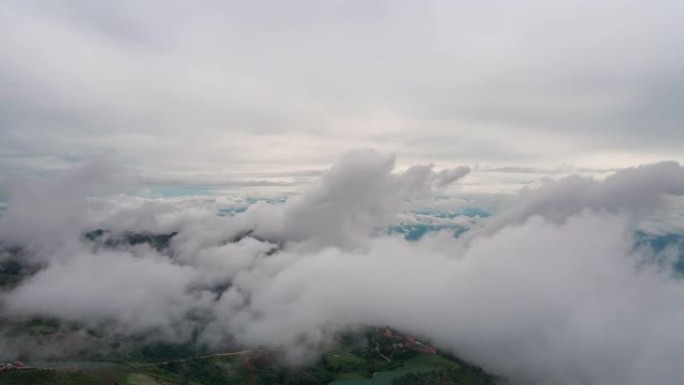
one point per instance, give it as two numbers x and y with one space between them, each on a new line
377 356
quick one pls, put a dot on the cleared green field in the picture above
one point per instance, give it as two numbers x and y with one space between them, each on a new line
432 361
343 358
141 379
418 364
380 378
350 376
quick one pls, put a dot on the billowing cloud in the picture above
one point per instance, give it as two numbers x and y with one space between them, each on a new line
136 292
358 196
630 190
549 291
45 212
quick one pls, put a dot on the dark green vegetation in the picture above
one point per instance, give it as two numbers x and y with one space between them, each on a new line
373 357
110 240
63 377
12 270
443 377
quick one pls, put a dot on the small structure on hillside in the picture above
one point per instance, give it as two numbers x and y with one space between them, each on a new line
16 365
407 342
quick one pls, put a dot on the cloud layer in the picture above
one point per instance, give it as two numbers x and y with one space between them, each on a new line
179 88
549 291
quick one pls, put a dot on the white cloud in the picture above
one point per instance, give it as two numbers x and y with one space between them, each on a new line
550 291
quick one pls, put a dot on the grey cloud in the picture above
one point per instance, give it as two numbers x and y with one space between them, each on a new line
447 177
632 190
139 294
44 212
528 303
356 197
525 83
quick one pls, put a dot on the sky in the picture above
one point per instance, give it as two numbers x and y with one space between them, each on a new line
263 92
360 117
363 108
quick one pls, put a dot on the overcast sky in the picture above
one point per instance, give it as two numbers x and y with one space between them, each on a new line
214 89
